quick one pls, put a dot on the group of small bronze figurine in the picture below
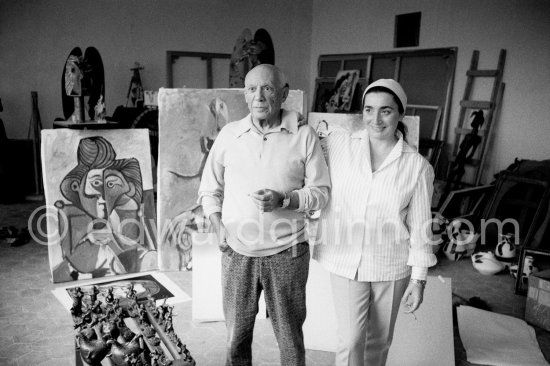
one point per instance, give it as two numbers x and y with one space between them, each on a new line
103 334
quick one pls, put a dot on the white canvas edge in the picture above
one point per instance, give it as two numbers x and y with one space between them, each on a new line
65 299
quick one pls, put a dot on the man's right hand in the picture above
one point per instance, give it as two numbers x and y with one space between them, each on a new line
219 229
222 239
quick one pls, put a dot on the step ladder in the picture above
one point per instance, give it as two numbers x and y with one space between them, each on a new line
490 110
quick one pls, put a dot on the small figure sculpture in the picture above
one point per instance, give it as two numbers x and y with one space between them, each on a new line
160 312
79 323
104 317
96 307
109 298
118 314
77 295
132 308
85 320
142 313
187 355
172 336
93 294
151 301
170 310
110 328
131 294
99 110
181 347
168 327
94 319
155 312
182 350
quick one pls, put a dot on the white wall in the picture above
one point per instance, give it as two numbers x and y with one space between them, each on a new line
522 27
36 37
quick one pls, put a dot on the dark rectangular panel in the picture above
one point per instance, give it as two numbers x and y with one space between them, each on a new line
407 30
323 92
360 65
329 68
424 78
383 68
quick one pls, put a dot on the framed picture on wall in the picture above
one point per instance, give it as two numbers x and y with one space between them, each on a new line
337 96
344 87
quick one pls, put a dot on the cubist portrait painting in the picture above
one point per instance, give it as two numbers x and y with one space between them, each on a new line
100 204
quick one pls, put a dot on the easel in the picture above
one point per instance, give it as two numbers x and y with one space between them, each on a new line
35 125
490 109
135 90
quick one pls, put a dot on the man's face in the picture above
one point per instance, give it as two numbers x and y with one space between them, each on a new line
264 94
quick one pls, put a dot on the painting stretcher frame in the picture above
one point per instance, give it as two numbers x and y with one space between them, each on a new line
457 198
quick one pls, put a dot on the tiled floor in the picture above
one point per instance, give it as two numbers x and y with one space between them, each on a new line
36 330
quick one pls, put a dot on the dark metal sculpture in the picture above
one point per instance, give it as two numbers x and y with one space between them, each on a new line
103 330
83 75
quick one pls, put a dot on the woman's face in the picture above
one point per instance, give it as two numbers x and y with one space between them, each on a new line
381 115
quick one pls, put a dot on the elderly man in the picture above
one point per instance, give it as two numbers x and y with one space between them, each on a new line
262 174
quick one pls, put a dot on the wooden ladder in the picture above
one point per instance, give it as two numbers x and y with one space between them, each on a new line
490 109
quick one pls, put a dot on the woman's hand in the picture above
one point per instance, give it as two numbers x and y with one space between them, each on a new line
413 296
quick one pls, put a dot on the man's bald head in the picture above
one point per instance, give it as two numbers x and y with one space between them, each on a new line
277 74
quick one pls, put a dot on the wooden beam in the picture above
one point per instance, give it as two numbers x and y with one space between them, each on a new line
486 73
466 131
172 56
474 104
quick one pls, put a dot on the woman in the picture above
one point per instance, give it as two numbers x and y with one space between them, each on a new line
376 226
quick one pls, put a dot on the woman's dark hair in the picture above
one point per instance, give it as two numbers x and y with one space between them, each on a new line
400 125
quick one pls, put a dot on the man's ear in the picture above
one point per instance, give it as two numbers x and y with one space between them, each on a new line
286 89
